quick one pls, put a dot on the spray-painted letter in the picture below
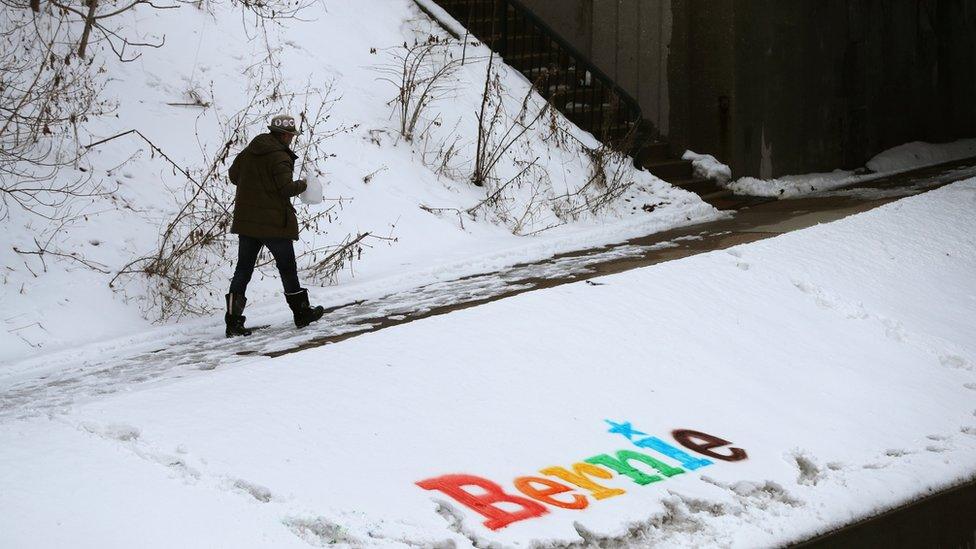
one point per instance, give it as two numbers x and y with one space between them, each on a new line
453 485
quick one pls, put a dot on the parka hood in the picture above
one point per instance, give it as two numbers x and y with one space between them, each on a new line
266 144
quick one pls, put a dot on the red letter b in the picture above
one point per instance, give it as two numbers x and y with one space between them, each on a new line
453 485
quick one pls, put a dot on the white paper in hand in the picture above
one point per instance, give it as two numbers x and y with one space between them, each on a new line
312 193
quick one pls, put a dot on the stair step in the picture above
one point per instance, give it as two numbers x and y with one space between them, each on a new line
523 41
571 96
590 118
653 151
486 23
623 130
535 59
701 187
671 170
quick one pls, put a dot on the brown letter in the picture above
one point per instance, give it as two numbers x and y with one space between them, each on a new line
704 443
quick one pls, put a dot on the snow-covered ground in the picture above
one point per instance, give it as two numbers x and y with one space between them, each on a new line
892 161
836 364
216 53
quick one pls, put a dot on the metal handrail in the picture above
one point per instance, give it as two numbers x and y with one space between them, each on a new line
502 37
590 66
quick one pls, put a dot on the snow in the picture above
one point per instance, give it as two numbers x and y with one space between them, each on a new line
840 358
917 153
375 181
892 161
707 166
789 186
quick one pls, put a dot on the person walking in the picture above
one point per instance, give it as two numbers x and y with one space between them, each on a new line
264 216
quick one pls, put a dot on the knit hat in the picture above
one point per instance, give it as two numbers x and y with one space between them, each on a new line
284 123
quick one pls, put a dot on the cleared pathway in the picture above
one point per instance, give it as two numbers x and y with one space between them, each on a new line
67 381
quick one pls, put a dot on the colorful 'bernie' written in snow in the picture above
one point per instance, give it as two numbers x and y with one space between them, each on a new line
584 476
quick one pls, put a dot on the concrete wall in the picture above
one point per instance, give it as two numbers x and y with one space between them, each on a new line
829 84
701 77
572 19
776 87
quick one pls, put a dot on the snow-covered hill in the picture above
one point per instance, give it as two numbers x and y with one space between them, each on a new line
221 68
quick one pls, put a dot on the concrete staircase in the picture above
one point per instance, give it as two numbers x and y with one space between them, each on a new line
577 88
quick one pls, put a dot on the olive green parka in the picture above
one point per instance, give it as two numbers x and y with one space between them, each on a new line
263 173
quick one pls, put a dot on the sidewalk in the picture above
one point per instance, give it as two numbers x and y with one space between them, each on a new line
69 378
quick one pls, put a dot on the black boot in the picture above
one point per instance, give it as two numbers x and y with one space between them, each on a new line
304 315
234 317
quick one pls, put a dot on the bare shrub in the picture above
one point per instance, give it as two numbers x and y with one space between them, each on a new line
421 73
443 155
46 94
498 131
94 21
524 202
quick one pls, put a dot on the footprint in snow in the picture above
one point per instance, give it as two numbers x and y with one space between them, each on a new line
896 452
894 330
762 495
256 491
971 386
318 531
805 287
955 361
810 473
818 295
971 430
113 431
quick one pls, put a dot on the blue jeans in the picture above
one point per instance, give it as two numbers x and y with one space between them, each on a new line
283 252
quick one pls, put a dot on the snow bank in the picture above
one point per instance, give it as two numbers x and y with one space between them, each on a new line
918 154
897 159
838 360
794 185
707 166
